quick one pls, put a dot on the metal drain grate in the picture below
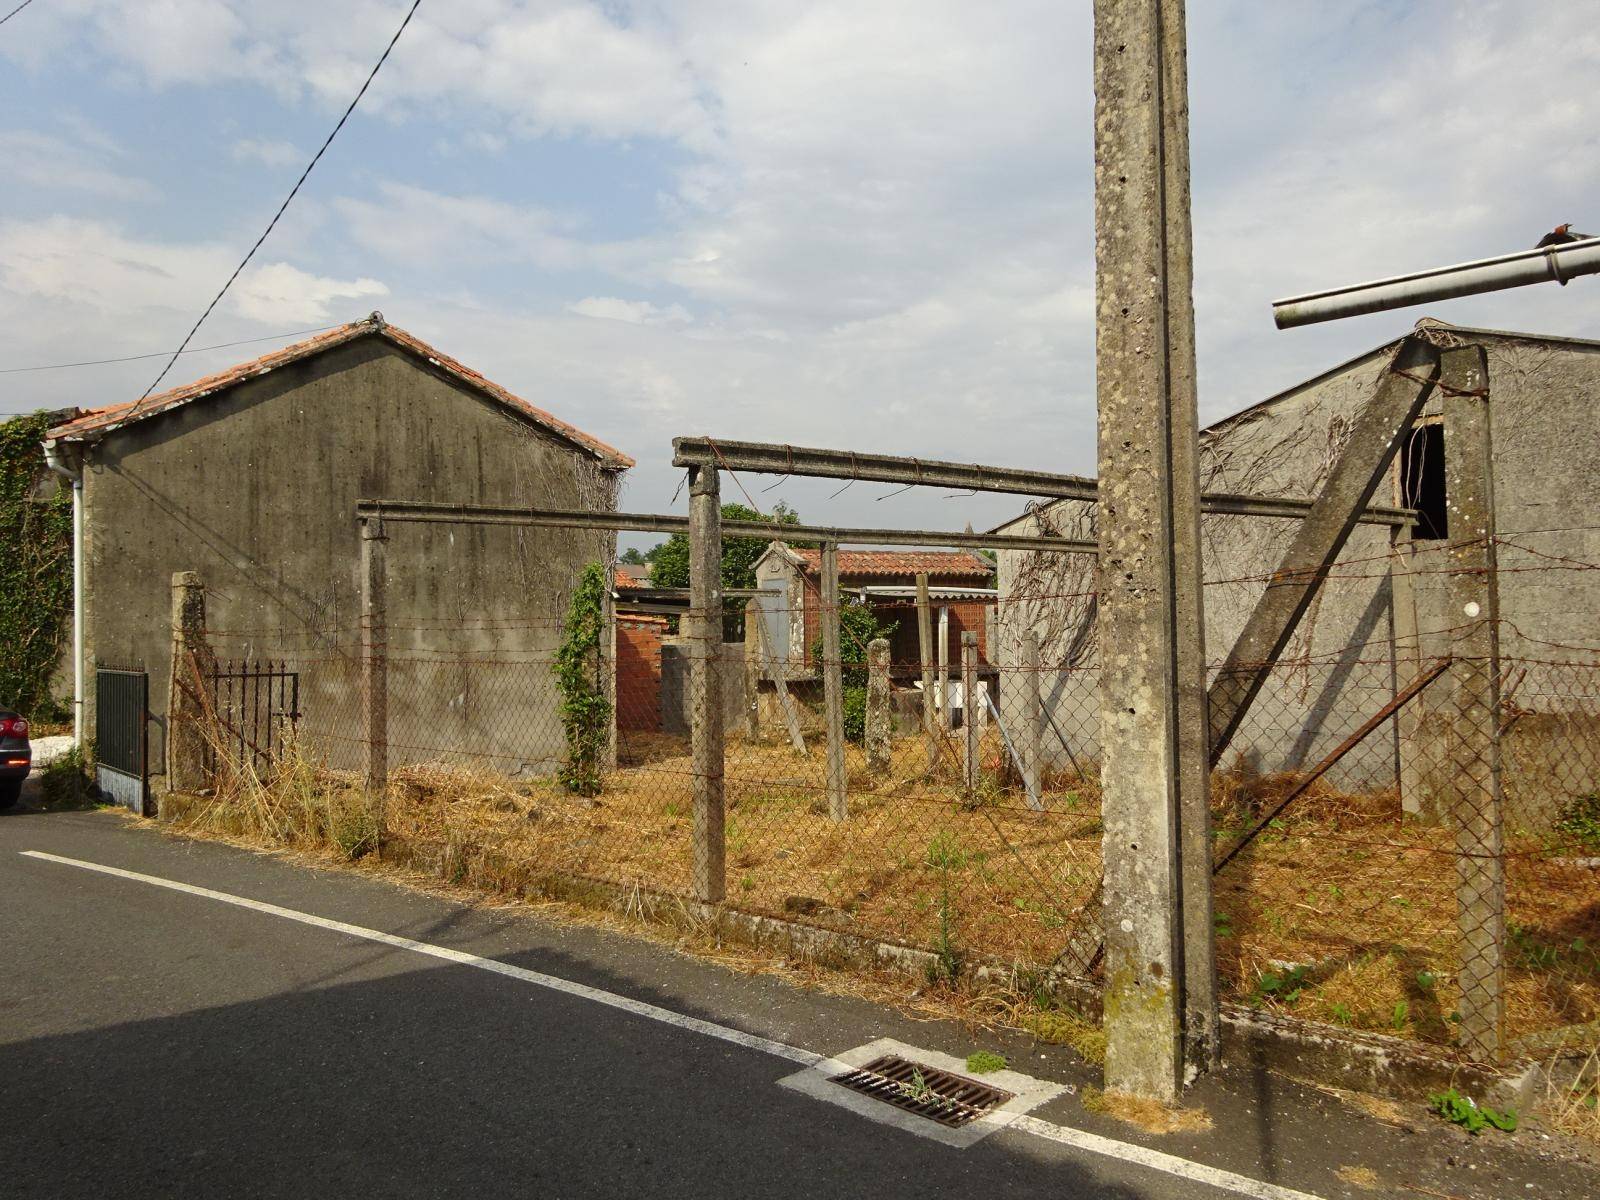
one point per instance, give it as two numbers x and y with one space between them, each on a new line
927 1091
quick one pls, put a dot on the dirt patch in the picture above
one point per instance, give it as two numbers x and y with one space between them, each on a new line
1149 1115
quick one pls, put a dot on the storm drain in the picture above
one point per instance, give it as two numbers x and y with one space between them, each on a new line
926 1091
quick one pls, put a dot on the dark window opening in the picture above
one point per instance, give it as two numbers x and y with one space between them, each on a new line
1422 482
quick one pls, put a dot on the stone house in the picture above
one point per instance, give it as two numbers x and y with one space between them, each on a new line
251 477
1377 621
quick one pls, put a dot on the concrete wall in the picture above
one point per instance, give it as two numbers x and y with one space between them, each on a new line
256 490
1341 665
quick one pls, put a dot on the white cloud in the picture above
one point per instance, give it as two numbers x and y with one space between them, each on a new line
266 151
634 312
78 164
281 294
413 225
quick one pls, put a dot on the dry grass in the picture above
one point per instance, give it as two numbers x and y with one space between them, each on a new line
1361 1177
1384 1111
1572 1101
1149 1115
1363 900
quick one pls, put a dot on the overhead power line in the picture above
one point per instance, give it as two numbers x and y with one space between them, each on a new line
315 158
15 11
100 362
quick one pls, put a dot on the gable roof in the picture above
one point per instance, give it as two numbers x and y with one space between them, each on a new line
1425 326
891 564
93 424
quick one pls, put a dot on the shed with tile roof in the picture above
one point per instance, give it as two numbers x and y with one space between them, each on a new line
250 477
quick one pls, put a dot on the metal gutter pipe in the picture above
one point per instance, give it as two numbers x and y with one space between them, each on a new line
57 461
1553 263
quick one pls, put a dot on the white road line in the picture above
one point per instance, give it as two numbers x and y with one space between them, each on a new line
1155 1160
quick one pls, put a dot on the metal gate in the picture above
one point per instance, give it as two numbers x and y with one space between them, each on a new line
257 705
121 747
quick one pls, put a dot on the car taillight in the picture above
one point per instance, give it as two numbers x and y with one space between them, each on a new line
14 727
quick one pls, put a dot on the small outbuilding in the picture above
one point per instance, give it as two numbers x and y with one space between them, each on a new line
251 478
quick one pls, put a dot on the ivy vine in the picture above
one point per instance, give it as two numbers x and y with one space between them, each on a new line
35 569
585 711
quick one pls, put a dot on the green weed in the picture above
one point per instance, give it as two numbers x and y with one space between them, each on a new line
1470 1115
981 1062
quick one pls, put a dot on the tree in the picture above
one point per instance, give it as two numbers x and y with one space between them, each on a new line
633 556
670 560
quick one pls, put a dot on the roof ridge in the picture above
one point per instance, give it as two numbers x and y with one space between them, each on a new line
109 418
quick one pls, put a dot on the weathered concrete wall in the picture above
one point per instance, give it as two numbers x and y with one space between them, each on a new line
256 490
1341 666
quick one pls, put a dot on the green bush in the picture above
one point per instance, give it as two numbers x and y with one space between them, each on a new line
1579 819
35 567
585 711
855 713
65 782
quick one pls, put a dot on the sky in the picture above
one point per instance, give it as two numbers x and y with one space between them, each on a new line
865 225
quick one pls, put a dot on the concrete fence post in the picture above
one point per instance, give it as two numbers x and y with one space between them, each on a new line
1474 798
752 670
942 666
930 703
705 682
374 660
971 747
878 716
1032 730
833 682
1156 892
187 702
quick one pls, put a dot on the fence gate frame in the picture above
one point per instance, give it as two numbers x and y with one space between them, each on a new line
122 736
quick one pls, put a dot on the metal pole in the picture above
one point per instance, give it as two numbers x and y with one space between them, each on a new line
833 682
705 682
1553 264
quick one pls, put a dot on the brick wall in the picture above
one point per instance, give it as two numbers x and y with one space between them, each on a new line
639 672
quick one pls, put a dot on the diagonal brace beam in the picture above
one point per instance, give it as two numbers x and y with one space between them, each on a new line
1377 436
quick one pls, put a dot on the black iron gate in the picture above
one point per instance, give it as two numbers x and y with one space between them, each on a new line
257 706
121 744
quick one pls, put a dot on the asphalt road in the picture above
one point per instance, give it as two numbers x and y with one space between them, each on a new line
159 1043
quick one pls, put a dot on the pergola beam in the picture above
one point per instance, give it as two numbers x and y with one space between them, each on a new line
767 459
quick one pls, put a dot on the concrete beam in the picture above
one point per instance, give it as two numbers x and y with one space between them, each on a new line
424 512
1376 437
814 462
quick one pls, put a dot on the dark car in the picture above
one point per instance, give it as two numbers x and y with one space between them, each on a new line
16 756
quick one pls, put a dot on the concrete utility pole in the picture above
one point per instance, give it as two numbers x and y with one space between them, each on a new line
187 702
705 681
1160 988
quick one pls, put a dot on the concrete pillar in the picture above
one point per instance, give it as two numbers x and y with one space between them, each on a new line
833 682
1031 727
188 702
1474 799
704 623
1201 1020
971 747
942 665
1149 592
930 706
753 619
374 659
879 719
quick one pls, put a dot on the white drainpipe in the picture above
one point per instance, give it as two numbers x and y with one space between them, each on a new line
56 457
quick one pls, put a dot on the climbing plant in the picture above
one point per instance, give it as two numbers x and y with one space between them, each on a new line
35 568
585 711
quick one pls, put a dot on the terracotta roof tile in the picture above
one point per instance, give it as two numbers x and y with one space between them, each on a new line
115 416
900 562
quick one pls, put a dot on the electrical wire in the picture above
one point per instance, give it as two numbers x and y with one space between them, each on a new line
315 158
100 362
15 11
